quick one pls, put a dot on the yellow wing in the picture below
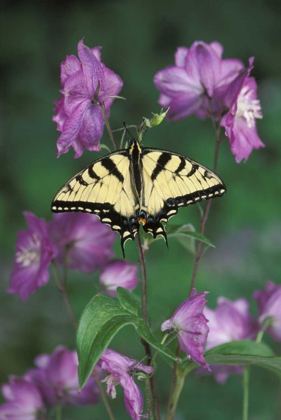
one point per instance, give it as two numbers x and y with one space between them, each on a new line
104 189
171 181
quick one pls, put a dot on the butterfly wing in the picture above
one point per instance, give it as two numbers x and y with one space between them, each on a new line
172 181
104 189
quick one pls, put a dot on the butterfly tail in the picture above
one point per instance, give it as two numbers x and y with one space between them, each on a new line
156 229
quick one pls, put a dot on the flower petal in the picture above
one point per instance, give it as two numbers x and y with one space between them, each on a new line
60 116
243 139
113 85
75 92
217 47
193 339
71 127
183 105
173 81
92 70
91 129
180 56
208 65
118 273
69 67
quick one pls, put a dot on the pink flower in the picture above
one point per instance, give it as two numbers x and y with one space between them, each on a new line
82 239
121 369
199 73
24 400
118 273
34 253
86 85
240 121
230 321
191 327
57 378
269 304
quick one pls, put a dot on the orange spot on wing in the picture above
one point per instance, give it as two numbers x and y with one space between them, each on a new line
141 220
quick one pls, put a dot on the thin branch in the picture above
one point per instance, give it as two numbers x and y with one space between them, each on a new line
148 398
173 383
62 290
145 315
207 210
103 395
102 106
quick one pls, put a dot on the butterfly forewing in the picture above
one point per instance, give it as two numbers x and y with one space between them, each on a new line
104 189
175 181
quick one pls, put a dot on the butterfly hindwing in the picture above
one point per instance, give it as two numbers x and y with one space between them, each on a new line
104 189
172 181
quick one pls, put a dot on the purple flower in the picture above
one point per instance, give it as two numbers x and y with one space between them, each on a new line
34 253
86 85
57 378
191 327
118 273
269 304
82 240
198 75
24 400
240 121
121 369
230 321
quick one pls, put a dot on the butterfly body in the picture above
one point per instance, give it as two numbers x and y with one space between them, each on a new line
138 186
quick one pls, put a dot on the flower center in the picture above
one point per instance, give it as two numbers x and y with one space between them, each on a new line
31 254
248 108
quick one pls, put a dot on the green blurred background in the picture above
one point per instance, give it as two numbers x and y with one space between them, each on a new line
139 38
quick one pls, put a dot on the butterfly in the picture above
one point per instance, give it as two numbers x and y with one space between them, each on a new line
136 186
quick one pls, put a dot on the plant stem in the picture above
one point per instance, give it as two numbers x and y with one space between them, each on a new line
246 376
148 401
173 383
103 395
62 289
108 125
59 410
145 316
180 378
207 209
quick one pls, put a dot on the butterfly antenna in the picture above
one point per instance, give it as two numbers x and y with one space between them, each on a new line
129 134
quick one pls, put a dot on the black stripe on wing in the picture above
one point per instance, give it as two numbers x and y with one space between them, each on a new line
127 228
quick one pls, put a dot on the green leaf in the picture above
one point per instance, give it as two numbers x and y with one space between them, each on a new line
244 352
186 235
102 318
128 300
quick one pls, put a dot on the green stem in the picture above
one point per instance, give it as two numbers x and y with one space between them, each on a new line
180 378
102 106
173 384
103 395
148 399
246 377
207 209
62 289
145 316
59 410
260 336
